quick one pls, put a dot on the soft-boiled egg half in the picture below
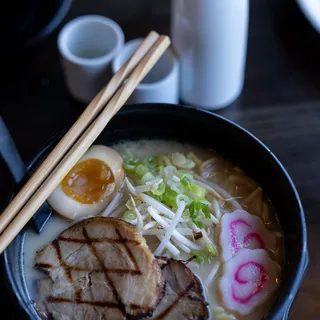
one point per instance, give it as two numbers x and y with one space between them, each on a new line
90 185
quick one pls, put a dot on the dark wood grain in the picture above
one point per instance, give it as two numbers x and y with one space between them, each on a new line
280 103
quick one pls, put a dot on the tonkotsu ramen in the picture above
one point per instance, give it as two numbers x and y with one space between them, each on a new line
159 230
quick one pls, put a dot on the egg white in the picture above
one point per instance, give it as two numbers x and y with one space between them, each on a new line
72 209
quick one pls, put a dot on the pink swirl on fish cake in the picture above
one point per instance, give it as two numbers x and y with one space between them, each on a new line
241 229
249 279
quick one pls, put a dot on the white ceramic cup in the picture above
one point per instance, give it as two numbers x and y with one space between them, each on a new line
162 82
87 45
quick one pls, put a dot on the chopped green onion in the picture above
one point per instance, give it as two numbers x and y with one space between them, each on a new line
181 161
183 173
198 191
169 171
186 214
141 167
159 170
183 198
129 168
141 170
155 196
185 182
198 223
130 215
132 161
130 165
196 207
169 198
130 205
175 186
206 211
160 190
150 162
200 199
211 251
147 177
207 253
198 257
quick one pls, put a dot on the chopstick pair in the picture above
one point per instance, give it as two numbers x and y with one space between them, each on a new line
80 137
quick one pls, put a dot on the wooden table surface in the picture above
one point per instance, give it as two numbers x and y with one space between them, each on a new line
280 103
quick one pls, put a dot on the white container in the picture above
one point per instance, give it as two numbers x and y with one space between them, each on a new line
311 9
87 46
210 39
161 84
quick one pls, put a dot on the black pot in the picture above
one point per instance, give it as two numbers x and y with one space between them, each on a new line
211 131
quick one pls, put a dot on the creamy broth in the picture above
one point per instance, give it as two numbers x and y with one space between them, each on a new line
217 170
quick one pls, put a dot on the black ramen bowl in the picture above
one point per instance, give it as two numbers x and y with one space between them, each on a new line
206 129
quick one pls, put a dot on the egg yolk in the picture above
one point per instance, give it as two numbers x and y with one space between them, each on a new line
88 182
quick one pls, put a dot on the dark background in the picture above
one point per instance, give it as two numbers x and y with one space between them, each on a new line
280 103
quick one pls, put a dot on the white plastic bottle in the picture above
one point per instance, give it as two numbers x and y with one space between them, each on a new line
210 39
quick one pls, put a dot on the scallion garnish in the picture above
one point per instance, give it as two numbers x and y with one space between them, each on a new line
212 252
130 215
198 258
169 198
160 190
174 200
186 214
181 161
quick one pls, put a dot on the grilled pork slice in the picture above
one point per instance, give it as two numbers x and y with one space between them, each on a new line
183 298
100 268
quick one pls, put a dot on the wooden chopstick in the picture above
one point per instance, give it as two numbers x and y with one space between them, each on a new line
86 118
85 141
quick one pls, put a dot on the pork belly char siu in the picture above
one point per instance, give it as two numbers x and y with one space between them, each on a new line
183 298
100 268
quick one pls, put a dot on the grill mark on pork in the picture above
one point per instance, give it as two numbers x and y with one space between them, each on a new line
183 293
133 259
182 290
194 298
63 265
120 304
101 304
90 279
59 300
68 269
82 269
44 265
134 306
78 292
50 316
97 240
